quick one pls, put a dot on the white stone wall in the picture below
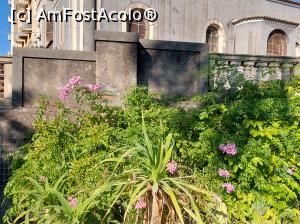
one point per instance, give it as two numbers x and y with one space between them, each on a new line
187 20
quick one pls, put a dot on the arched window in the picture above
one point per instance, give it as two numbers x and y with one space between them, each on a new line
297 50
277 43
212 39
141 27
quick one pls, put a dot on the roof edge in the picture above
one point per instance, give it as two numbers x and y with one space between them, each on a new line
266 18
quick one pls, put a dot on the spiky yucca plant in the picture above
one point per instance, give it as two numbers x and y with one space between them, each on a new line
155 187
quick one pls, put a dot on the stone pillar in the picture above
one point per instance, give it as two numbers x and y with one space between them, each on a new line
286 71
116 60
296 69
262 72
248 70
275 71
238 65
8 82
89 28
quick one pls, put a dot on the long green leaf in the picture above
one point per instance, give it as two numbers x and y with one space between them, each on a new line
196 215
37 186
169 191
137 194
65 205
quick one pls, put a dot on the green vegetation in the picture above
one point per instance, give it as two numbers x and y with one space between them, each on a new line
235 159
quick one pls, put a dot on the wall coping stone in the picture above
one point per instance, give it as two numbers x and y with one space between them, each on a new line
54 54
255 58
5 59
125 37
173 45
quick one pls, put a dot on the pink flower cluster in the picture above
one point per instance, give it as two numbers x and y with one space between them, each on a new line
64 91
43 179
93 88
75 80
72 201
291 171
229 187
140 204
224 173
229 148
172 167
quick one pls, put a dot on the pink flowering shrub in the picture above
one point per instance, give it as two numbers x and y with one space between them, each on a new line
64 92
72 201
172 167
224 173
75 84
74 81
229 188
291 171
140 204
228 148
93 88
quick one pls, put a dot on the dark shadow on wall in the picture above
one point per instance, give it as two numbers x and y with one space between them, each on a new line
15 130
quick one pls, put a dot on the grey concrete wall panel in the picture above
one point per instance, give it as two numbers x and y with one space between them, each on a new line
168 67
173 68
46 76
38 72
116 56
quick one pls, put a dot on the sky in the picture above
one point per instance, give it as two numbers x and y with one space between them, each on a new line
5 26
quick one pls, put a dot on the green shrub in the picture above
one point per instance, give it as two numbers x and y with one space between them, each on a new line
262 120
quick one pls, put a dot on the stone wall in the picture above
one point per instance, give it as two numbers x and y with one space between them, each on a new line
38 72
173 68
121 61
35 72
188 20
176 68
5 81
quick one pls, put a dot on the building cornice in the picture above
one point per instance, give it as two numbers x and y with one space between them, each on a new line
291 3
264 18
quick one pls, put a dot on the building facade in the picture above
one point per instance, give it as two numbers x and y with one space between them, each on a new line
257 27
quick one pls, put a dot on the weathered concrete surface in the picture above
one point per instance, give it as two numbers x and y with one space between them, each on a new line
167 67
15 127
39 72
173 68
46 76
116 60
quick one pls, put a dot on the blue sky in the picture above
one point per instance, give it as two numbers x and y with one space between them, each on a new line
5 26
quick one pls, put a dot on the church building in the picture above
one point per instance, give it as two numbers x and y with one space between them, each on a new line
256 27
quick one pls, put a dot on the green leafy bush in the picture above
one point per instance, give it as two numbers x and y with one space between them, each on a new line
242 144
263 121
